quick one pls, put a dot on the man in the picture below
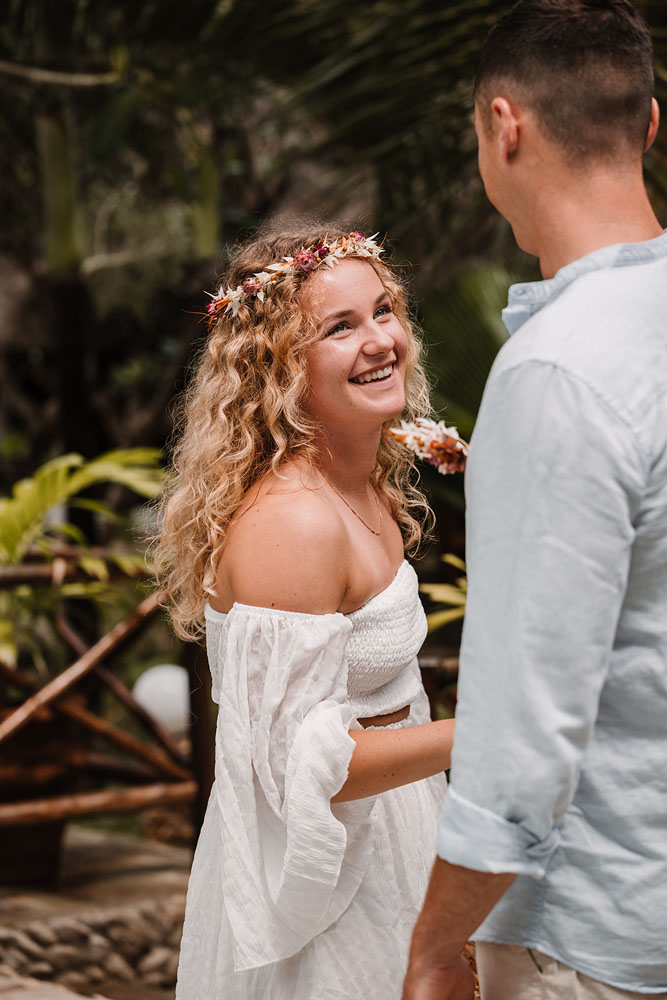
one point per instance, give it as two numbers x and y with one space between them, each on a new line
553 836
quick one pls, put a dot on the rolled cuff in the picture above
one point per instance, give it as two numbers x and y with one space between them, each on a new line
473 837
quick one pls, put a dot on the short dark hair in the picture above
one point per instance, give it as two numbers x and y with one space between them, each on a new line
585 67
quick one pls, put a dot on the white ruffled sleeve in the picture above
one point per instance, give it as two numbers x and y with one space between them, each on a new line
292 861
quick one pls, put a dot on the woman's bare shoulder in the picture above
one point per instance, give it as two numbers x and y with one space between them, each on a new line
287 549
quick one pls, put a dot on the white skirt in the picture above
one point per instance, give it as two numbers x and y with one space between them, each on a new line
364 953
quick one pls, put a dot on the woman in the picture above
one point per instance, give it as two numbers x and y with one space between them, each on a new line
291 510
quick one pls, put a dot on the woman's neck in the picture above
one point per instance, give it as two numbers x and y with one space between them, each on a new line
349 460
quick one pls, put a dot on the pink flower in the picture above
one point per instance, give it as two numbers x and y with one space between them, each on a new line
322 250
251 286
216 305
357 237
305 261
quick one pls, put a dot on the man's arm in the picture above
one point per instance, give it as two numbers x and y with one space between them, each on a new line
457 901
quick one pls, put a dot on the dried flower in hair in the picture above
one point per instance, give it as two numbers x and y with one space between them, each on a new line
252 286
304 261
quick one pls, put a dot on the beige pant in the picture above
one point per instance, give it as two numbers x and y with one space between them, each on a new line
510 972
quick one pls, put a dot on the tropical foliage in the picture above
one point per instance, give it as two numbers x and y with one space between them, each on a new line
453 595
23 515
29 531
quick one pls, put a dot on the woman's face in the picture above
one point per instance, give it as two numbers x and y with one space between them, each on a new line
357 366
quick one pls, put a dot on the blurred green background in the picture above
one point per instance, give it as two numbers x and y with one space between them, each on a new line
141 139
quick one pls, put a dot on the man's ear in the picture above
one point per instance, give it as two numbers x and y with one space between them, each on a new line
653 125
505 126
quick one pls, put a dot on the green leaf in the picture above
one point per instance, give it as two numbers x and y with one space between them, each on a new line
444 593
64 528
94 566
129 563
99 590
8 648
464 332
453 560
98 507
437 619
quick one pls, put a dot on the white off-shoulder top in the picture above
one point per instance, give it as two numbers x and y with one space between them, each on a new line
290 686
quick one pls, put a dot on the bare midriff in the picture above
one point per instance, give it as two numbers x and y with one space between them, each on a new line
386 720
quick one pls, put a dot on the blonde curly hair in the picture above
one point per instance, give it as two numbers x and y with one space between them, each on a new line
243 414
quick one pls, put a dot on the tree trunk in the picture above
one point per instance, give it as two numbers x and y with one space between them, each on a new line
73 313
207 206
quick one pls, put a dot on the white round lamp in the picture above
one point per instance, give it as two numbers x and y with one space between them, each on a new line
164 691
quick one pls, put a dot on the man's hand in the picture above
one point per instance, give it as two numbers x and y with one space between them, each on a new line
457 900
456 982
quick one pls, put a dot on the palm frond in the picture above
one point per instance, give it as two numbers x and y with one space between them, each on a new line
455 595
22 516
437 619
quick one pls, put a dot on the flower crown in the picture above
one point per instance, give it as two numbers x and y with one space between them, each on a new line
304 261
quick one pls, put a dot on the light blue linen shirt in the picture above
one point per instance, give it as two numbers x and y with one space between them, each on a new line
559 769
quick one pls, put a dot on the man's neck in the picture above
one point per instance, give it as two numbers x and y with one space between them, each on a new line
592 211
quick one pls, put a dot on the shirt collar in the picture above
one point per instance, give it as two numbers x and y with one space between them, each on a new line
525 299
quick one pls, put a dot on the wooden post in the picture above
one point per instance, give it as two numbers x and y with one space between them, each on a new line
203 736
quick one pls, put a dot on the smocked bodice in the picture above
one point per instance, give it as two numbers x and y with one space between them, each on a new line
384 638
387 633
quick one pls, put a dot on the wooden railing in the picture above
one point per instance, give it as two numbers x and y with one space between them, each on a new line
157 770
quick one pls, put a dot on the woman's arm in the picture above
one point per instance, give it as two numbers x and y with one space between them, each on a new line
384 760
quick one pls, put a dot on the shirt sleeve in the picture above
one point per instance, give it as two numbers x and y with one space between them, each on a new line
292 861
553 483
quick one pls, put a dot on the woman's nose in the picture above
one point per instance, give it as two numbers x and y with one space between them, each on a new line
377 338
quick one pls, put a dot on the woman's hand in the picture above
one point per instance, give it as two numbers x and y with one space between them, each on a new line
455 982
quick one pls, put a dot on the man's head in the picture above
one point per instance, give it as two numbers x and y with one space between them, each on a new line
563 112
582 67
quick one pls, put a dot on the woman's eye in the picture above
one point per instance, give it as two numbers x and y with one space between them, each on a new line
384 310
336 329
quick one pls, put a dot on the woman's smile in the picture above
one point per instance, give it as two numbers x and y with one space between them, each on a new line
375 375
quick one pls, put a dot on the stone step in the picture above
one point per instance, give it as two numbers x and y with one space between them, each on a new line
133 991
14 987
110 925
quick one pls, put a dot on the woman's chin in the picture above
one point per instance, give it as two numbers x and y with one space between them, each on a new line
377 416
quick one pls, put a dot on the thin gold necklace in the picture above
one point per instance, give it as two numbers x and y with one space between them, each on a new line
358 516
